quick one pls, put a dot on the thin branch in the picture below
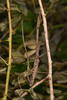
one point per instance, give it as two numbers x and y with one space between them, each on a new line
50 7
17 26
8 32
25 93
26 51
4 35
10 49
3 6
48 50
4 61
52 39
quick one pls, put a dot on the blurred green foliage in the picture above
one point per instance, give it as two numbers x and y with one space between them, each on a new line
62 54
18 68
64 1
29 22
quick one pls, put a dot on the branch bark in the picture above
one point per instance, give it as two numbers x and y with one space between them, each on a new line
48 50
36 84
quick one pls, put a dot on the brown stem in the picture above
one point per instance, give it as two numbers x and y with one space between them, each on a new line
48 50
25 93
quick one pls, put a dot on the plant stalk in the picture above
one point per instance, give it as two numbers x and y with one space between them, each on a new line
10 47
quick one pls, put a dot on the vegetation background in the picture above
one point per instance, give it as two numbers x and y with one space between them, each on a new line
27 11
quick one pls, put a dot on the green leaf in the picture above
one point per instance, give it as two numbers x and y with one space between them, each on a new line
19 29
30 15
63 51
18 68
64 1
17 38
27 26
29 22
46 1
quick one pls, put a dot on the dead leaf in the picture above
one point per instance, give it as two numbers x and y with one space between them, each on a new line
17 57
30 53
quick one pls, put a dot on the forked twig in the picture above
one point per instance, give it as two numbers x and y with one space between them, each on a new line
48 50
36 61
36 84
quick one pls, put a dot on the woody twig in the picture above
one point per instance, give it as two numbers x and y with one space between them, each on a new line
36 84
48 50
